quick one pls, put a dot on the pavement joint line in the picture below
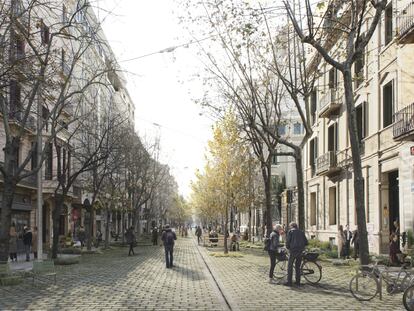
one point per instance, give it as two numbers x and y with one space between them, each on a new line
218 285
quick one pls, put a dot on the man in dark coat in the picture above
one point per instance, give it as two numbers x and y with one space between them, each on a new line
295 243
27 241
198 233
130 239
154 234
168 237
348 238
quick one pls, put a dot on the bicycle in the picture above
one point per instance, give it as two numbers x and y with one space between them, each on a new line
366 284
408 298
310 269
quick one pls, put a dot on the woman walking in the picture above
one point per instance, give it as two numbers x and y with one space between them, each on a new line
13 243
341 241
130 239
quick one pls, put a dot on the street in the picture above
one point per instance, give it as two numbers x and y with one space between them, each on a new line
197 282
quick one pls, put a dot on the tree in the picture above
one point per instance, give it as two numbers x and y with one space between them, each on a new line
222 186
353 23
42 78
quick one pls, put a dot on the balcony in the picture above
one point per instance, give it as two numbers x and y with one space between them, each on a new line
405 21
330 104
326 165
403 127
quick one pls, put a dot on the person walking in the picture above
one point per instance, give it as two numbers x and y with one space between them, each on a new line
27 241
154 234
347 246
341 241
34 242
355 242
13 242
130 239
168 237
81 236
198 233
295 243
273 249
98 238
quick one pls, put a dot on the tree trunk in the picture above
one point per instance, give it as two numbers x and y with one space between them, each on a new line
266 173
107 237
250 224
357 167
90 227
6 206
301 189
56 223
226 221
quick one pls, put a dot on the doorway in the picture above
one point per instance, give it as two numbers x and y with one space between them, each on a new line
393 200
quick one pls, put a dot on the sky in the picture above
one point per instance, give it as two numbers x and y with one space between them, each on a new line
163 86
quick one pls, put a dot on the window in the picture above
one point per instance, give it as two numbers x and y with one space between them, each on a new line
333 138
359 68
387 104
44 33
297 128
64 14
33 160
333 78
19 47
17 158
281 129
362 121
332 206
59 162
313 154
15 100
64 165
45 117
68 164
388 25
313 209
274 159
48 161
313 106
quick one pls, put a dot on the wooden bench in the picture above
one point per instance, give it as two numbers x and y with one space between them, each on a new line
219 239
4 272
43 269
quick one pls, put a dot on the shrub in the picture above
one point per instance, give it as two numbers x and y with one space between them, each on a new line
410 238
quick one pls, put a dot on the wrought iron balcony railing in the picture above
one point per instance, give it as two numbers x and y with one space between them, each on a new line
406 24
403 127
329 104
326 164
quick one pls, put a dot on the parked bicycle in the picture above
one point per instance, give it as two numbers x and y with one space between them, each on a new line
310 269
367 283
408 298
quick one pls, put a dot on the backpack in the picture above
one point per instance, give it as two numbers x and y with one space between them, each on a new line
266 243
169 238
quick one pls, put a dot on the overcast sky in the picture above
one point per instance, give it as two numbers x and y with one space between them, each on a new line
161 85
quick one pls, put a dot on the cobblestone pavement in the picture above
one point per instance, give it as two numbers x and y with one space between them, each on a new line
118 282
244 282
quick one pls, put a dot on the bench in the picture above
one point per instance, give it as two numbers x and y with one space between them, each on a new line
219 239
6 275
43 269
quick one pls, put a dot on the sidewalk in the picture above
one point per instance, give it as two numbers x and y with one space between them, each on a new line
244 281
22 265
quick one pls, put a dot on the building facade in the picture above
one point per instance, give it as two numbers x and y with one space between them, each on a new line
82 85
384 99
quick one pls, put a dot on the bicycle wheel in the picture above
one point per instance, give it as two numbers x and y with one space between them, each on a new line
280 270
363 286
408 298
311 271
